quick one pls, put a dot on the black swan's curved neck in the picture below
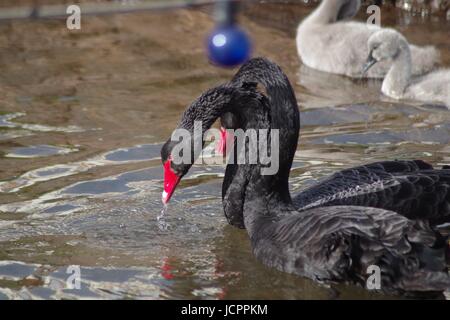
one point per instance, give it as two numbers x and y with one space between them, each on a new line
284 113
284 116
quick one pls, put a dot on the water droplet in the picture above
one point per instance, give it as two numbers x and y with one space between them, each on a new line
162 224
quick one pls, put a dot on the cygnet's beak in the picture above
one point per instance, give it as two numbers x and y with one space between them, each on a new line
369 63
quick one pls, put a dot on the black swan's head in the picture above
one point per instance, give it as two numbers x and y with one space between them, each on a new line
178 154
173 172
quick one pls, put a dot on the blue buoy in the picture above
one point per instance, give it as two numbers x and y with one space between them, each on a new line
229 46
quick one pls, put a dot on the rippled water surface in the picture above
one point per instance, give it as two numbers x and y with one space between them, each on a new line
82 118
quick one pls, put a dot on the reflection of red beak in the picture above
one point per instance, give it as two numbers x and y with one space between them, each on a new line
221 145
166 269
170 181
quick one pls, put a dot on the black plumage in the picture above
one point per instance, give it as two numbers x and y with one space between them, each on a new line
411 188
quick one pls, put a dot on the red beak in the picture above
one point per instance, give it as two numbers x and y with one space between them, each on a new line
170 181
221 146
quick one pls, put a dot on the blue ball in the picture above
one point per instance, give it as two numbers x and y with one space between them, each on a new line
228 46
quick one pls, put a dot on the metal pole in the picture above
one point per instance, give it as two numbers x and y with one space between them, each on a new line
226 11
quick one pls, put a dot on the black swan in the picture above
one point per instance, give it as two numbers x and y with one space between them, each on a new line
331 243
411 188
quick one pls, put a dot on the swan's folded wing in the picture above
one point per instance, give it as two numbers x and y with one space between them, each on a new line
411 188
341 242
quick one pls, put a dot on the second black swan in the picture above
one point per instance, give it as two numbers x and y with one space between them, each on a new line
412 188
328 243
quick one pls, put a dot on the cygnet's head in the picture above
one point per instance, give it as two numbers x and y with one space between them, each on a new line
384 44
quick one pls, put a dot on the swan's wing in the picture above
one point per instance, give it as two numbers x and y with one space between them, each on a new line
341 242
339 48
411 188
433 87
424 59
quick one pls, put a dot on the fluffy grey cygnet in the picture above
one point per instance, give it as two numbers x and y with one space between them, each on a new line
325 41
390 46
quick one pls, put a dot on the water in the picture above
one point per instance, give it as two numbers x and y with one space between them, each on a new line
162 224
83 115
